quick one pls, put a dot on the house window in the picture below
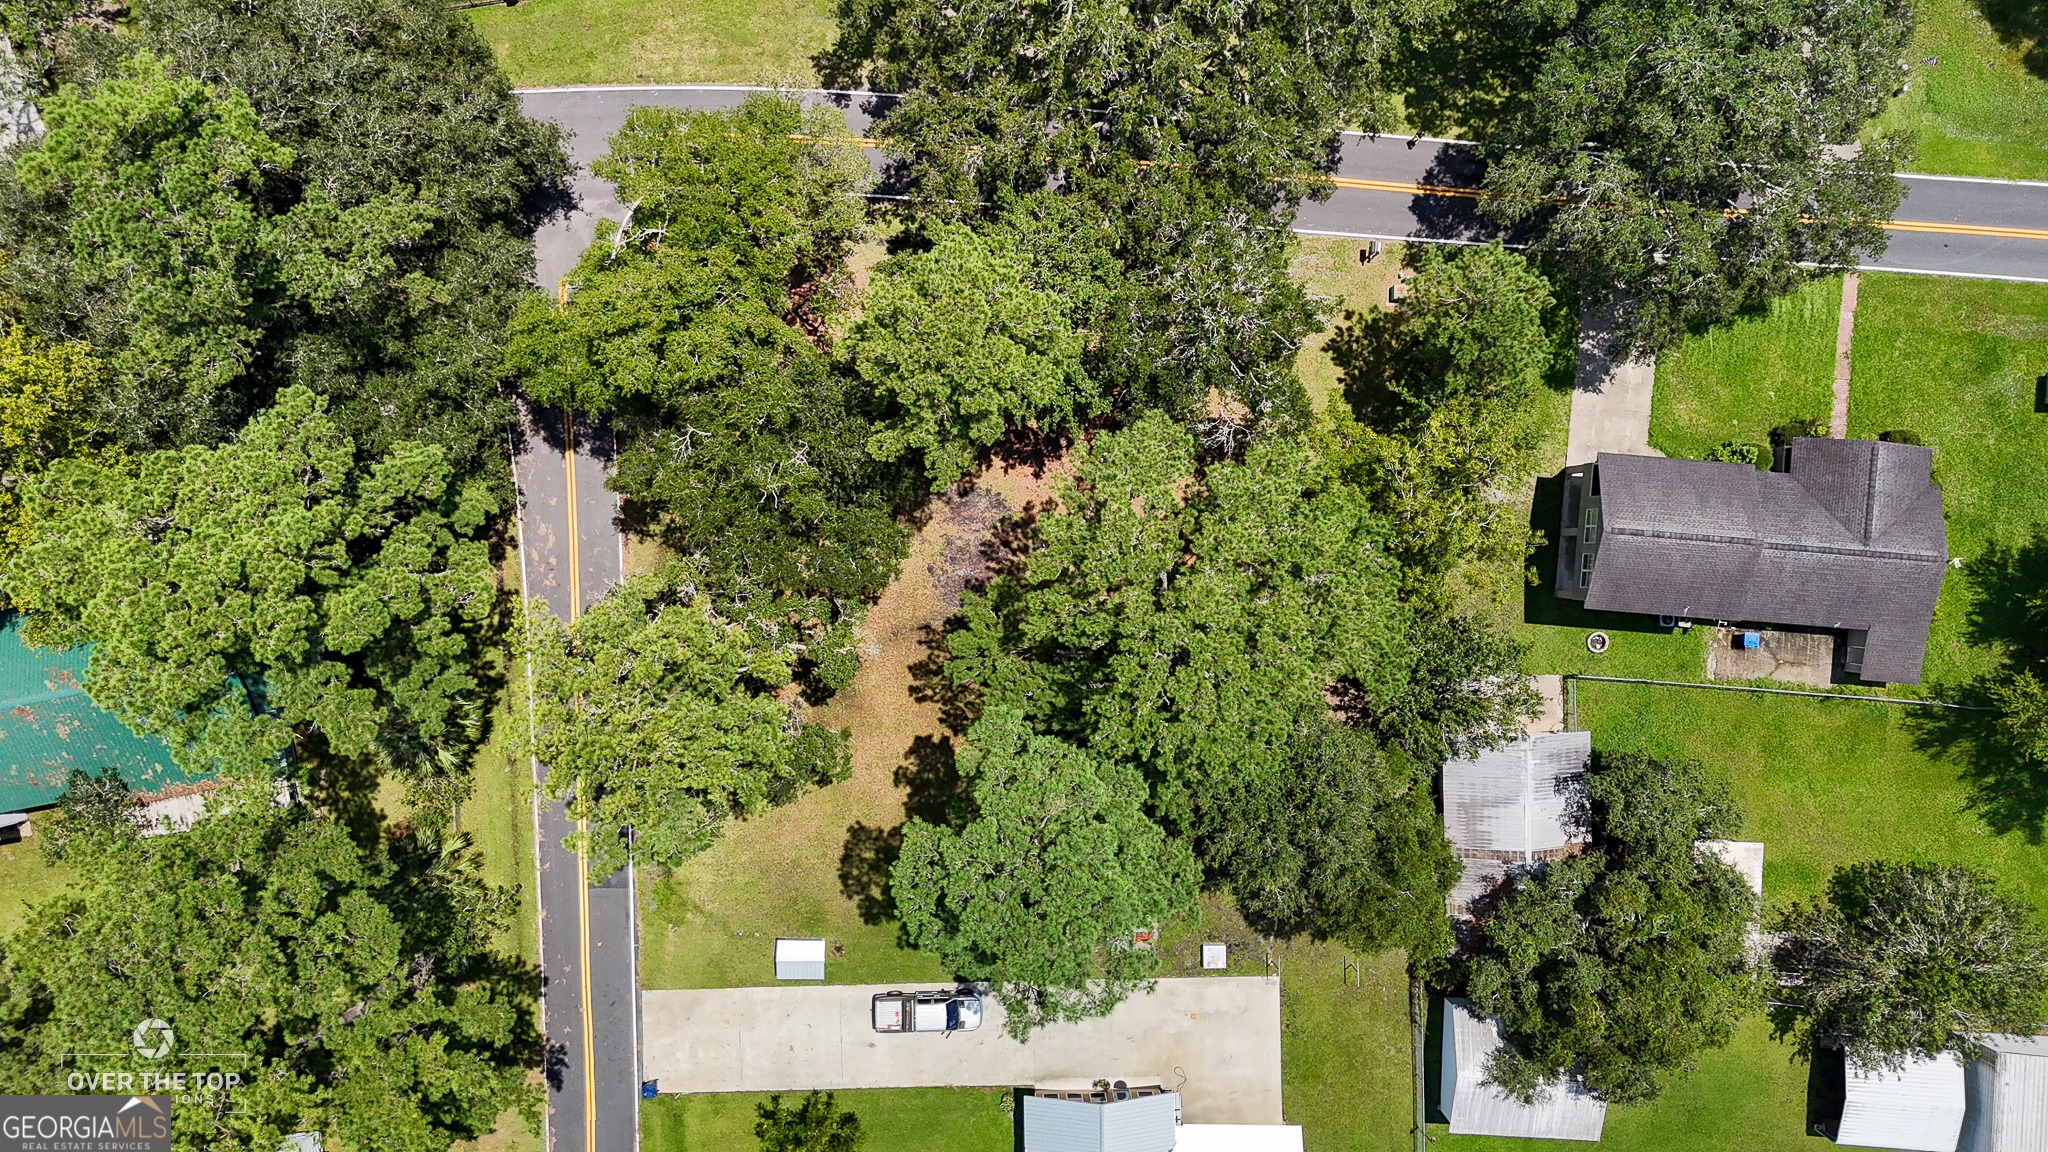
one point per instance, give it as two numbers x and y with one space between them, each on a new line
1590 533
1585 568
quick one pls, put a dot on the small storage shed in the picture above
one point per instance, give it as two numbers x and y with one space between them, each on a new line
1139 1124
1476 1108
1918 1108
799 958
2006 1092
1515 805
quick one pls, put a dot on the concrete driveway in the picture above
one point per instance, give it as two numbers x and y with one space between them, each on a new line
1217 1039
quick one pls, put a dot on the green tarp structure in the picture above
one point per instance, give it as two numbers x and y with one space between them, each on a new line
48 726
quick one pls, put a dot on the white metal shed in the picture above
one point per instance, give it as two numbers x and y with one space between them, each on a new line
1476 1108
798 958
1918 1108
2006 1090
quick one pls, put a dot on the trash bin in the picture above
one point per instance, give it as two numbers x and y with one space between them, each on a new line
1752 640
647 1089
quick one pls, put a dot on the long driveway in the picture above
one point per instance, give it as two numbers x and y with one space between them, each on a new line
570 554
1948 225
1217 1039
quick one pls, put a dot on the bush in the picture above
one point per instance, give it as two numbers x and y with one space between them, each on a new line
1899 436
1735 452
1784 434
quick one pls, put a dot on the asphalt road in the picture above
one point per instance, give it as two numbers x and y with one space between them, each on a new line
1215 1038
570 554
1939 233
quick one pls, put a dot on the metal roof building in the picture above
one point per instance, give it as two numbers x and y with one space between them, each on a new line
1918 1108
1515 805
48 726
1476 1108
1139 1124
1849 537
2006 1089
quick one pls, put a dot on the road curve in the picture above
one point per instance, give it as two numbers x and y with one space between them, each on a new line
1387 190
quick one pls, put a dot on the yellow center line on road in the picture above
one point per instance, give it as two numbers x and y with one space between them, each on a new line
1997 230
582 825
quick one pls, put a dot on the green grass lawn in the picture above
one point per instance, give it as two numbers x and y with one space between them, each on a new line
1982 110
544 43
1740 381
1822 783
1956 362
25 879
895 1119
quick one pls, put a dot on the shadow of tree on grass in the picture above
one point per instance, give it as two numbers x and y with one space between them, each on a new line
2008 789
2021 22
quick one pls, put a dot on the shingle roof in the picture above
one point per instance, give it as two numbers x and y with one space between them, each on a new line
1851 537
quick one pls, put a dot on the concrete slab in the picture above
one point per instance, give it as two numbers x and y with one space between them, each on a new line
1610 401
1221 1033
1550 717
1794 657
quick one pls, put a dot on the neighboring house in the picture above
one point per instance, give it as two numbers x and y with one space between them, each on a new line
1918 1108
1144 1118
1476 1108
1848 537
2006 1089
1514 805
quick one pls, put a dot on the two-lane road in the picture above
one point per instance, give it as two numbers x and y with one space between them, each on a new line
570 554
1950 226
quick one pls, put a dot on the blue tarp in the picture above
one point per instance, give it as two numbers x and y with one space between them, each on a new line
48 726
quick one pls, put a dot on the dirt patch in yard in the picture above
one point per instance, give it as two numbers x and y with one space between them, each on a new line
818 867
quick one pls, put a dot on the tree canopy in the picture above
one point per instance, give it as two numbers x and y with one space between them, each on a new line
359 981
1183 621
959 347
1002 897
810 1125
699 326
1621 964
46 415
654 712
1685 158
1181 136
271 593
366 238
1905 960
1344 843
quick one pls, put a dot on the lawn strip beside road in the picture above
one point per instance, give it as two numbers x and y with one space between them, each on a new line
1957 363
1739 381
1979 109
638 41
895 1119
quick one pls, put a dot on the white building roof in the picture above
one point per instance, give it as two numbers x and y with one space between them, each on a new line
1476 1108
1523 799
1140 1124
799 958
1745 856
2006 1088
1919 1108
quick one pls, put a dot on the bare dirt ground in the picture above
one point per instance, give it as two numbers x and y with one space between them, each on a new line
817 867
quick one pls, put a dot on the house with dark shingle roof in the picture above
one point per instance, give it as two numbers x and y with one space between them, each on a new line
1848 537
